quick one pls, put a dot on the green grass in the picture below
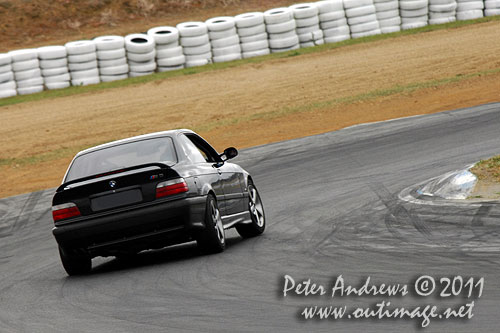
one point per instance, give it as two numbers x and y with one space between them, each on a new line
220 66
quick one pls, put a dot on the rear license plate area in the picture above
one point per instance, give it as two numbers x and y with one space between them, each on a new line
116 200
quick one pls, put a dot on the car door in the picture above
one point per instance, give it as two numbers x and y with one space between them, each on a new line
231 175
204 169
228 172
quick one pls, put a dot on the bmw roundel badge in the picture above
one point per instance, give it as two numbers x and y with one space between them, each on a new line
112 184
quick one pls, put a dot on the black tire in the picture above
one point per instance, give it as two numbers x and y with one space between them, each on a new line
212 239
75 262
256 209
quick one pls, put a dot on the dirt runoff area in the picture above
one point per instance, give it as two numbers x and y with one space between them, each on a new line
259 103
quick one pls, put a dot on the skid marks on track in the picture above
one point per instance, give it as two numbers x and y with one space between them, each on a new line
389 224
20 212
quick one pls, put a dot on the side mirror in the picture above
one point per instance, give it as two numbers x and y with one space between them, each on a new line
229 153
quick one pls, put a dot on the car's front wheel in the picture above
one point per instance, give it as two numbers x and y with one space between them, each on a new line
213 238
256 209
75 262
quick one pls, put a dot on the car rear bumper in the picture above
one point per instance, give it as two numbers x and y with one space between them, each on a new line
152 226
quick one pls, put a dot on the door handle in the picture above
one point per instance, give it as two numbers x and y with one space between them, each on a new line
220 172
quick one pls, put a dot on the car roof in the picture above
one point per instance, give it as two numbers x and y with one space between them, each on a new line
170 133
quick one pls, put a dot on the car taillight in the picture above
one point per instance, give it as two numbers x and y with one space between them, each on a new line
173 186
64 211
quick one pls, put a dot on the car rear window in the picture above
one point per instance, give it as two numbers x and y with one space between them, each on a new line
122 156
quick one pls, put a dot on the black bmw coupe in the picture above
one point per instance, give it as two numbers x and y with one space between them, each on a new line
148 192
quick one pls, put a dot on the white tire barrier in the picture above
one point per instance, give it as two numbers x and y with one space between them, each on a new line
8 93
442 11
26 70
36 81
85 81
170 68
111 57
141 67
220 39
82 61
192 29
332 21
110 78
7 83
57 78
23 55
280 26
109 42
141 55
171 63
139 43
80 47
492 4
30 90
254 38
224 39
5 59
169 54
414 13
53 63
195 50
25 65
80 66
491 7
51 52
228 57
387 12
27 74
164 35
307 20
469 9
7 76
138 57
57 85
252 33
79 58
195 55
362 18
54 71
111 70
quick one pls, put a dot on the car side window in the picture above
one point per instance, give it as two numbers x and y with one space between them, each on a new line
204 148
191 151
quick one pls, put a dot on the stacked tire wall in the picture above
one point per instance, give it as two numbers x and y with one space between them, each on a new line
221 39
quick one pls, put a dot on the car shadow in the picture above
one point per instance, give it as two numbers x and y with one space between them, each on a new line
162 256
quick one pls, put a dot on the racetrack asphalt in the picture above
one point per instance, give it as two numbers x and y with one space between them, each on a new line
332 209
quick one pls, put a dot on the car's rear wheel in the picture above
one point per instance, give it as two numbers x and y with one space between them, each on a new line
75 262
256 209
213 238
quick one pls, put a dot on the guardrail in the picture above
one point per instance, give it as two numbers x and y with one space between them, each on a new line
220 39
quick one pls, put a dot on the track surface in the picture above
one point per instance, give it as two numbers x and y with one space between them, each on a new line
332 208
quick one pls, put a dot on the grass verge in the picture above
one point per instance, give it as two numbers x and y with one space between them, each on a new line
488 170
190 71
313 106
69 151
